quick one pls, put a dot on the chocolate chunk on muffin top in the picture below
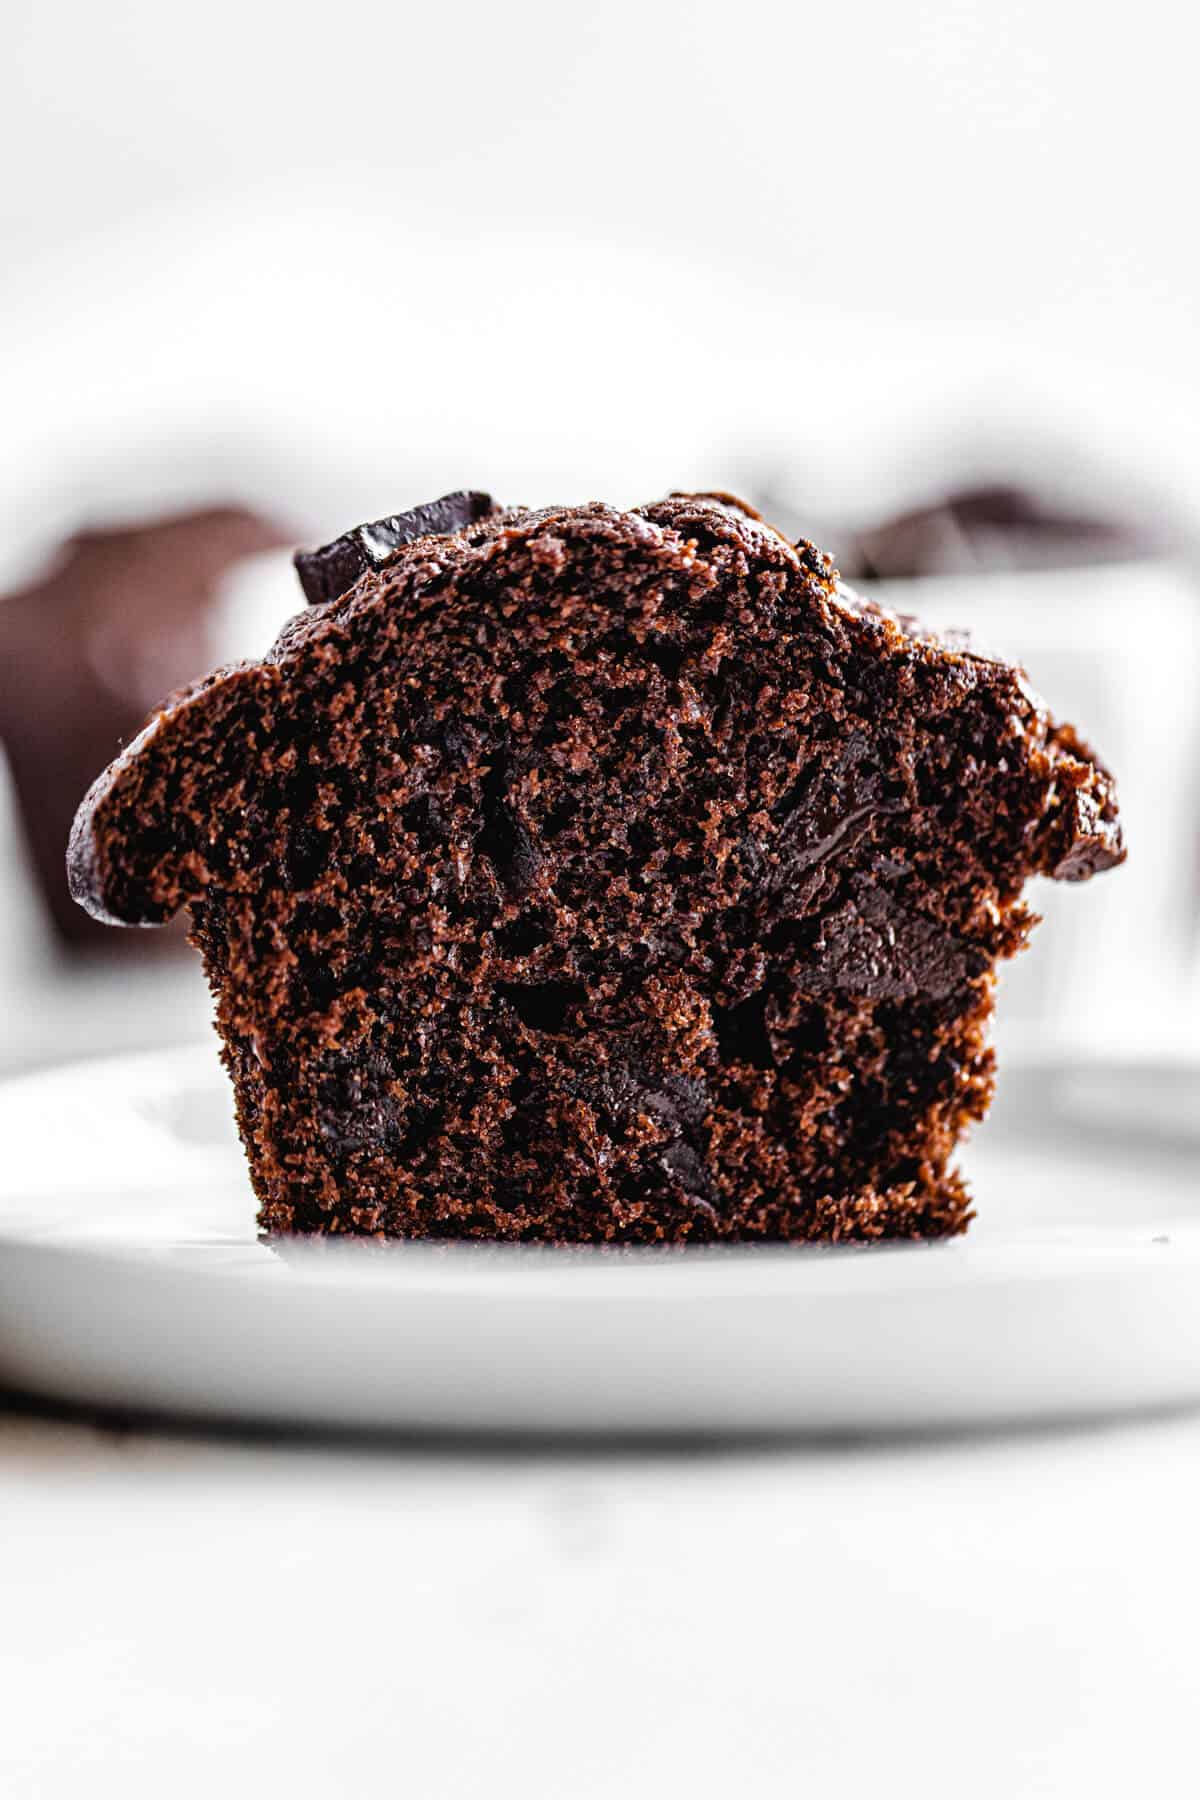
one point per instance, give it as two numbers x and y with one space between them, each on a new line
598 875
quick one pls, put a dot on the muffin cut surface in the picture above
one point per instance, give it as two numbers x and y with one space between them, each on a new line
597 875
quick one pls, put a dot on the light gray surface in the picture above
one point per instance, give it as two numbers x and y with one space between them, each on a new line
1011 1617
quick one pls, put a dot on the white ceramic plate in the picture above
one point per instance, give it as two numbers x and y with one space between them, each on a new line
130 1277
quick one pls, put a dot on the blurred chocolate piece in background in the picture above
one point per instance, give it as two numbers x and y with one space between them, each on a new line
986 528
1002 526
120 619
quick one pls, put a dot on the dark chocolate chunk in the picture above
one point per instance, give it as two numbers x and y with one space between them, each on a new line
331 571
874 947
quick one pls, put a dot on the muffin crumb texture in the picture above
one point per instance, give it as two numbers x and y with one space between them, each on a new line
590 875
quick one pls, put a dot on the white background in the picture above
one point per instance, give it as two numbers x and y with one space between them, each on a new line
365 253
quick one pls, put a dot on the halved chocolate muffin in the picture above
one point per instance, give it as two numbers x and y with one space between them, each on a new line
585 874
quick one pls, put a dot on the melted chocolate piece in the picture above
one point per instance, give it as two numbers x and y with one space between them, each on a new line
331 571
874 946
